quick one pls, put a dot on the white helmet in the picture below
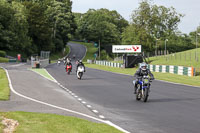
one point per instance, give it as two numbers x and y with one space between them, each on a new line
143 66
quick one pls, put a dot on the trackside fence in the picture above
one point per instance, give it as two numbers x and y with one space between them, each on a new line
106 63
180 70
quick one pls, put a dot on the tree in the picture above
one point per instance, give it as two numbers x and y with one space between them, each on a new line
61 20
194 35
150 22
39 28
13 27
103 25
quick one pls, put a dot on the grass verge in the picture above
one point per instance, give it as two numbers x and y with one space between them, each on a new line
2 60
43 72
4 87
90 50
185 58
51 123
159 76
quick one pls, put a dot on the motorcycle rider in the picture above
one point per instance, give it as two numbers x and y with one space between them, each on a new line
68 62
80 63
142 71
59 61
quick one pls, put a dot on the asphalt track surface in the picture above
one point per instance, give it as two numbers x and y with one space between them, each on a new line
171 108
32 85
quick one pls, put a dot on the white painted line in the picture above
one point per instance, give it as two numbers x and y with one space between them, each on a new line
83 102
178 83
89 106
57 107
95 111
75 96
101 116
16 65
80 99
72 94
51 76
43 76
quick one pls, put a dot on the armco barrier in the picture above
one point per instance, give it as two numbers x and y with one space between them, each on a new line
12 60
43 63
106 63
180 70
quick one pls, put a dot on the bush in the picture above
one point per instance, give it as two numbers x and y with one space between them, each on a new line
103 55
2 53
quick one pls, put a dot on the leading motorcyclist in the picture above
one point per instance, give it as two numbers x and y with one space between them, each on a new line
80 63
142 71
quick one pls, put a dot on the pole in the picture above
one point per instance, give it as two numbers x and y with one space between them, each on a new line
99 50
166 46
156 47
196 46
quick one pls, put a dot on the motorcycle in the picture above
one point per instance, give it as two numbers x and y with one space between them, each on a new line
143 88
80 71
58 62
68 69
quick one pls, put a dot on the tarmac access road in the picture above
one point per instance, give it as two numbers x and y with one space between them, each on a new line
32 85
171 108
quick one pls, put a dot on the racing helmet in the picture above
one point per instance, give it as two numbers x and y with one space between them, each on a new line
143 66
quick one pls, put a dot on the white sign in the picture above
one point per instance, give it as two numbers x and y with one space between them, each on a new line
126 48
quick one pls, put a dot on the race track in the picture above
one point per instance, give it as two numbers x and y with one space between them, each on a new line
171 108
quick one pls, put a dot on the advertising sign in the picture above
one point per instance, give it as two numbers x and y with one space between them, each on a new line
126 48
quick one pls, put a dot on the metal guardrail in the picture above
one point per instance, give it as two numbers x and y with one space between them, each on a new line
42 63
106 63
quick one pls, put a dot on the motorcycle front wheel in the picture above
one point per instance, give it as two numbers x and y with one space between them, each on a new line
138 93
146 94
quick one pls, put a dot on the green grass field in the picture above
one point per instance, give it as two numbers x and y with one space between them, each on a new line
51 123
2 60
185 58
90 50
4 87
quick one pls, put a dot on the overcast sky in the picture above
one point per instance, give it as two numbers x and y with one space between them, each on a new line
190 8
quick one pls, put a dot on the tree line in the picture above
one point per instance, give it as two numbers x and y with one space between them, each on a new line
30 26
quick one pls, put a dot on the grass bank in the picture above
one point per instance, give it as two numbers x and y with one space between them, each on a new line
4 87
159 76
51 123
185 58
2 59
90 50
